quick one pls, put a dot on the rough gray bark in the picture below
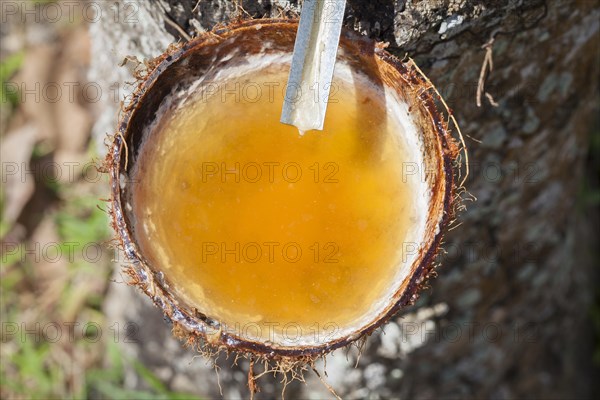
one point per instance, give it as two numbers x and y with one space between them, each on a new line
507 316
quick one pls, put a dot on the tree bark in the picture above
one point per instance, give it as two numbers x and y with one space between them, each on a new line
508 315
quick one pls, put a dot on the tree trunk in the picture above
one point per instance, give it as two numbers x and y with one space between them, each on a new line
507 316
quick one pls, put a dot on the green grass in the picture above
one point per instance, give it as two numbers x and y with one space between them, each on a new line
29 367
8 67
81 221
37 378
